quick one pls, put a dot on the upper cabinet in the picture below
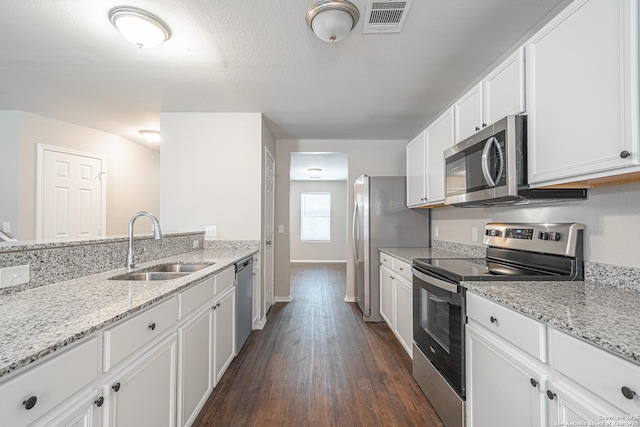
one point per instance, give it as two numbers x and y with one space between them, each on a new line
582 93
439 137
416 171
499 94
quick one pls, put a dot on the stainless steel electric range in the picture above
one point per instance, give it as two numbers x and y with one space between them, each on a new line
515 252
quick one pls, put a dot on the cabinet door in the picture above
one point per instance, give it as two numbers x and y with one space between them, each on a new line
257 297
503 89
468 113
144 393
86 411
195 365
500 391
582 92
224 332
404 314
416 183
439 138
386 296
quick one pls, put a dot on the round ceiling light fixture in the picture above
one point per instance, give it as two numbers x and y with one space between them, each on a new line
151 136
332 20
139 27
314 172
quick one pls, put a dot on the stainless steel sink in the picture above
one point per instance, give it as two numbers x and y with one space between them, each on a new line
150 275
161 272
177 268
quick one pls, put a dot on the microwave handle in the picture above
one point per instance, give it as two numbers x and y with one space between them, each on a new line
486 158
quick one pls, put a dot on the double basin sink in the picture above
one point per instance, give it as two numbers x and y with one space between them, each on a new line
161 272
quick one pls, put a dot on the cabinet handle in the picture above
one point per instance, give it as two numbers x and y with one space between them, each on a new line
533 382
99 402
214 306
551 395
484 125
493 319
624 154
116 387
401 269
477 127
627 392
218 305
30 402
152 326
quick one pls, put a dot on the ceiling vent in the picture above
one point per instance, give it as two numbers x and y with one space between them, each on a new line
385 16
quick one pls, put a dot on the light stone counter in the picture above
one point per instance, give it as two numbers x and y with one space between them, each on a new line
36 322
409 254
600 314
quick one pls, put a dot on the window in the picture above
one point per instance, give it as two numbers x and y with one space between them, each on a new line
315 217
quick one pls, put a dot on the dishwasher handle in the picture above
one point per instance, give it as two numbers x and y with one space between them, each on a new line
241 265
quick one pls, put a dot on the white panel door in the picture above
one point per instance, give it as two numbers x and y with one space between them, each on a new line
72 194
439 138
468 112
268 239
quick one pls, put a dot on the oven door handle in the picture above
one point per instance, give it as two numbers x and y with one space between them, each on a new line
450 287
486 158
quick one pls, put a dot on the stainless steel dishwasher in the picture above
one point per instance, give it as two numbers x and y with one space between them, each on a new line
244 305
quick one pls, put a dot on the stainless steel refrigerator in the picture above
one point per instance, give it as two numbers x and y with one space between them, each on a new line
381 219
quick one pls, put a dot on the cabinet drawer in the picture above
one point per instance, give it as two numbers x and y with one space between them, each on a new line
602 373
386 260
50 383
132 334
195 296
403 269
225 279
520 330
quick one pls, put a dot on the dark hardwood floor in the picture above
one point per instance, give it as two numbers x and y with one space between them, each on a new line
317 363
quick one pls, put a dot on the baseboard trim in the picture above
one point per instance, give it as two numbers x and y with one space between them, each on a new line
313 261
283 299
259 325
349 299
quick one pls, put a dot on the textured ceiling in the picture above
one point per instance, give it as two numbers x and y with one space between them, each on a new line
64 60
334 166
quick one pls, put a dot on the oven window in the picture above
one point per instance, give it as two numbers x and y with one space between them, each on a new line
435 317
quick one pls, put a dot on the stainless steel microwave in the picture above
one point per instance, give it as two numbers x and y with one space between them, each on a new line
490 169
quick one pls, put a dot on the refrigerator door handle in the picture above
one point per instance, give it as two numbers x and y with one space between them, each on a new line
353 230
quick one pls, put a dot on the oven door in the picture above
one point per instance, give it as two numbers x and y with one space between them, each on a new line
438 325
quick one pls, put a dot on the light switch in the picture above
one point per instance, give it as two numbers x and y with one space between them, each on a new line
474 234
280 228
12 276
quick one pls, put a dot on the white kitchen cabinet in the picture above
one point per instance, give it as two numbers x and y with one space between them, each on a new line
416 171
224 332
386 295
144 393
82 411
503 389
396 299
468 113
195 361
582 93
500 93
439 137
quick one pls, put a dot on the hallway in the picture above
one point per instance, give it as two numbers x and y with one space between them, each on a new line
317 363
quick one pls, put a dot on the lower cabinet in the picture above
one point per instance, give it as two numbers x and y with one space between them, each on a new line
85 411
386 295
143 393
404 309
396 299
224 332
502 389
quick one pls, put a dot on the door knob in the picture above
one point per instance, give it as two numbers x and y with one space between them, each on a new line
268 242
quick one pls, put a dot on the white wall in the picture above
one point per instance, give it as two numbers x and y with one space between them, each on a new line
611 216
375 158
9 153
336 248
211 173
133 171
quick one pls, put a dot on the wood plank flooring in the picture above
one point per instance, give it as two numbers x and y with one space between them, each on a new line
317 363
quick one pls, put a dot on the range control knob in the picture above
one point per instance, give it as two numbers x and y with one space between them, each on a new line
493 233
543 235
554 235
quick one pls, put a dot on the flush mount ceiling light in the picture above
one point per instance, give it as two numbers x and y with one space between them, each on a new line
331 20
139 27
151 136
314 172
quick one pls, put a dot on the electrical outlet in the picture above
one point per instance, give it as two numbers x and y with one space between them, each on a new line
436 231
474 234
12 276
210 232
6 227
196 244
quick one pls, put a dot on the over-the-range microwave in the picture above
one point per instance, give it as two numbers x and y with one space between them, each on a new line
490 169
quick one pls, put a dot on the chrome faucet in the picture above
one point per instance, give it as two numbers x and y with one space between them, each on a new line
157 235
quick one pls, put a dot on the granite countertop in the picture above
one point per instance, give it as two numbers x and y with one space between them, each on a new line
600 314
409 254
36 322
